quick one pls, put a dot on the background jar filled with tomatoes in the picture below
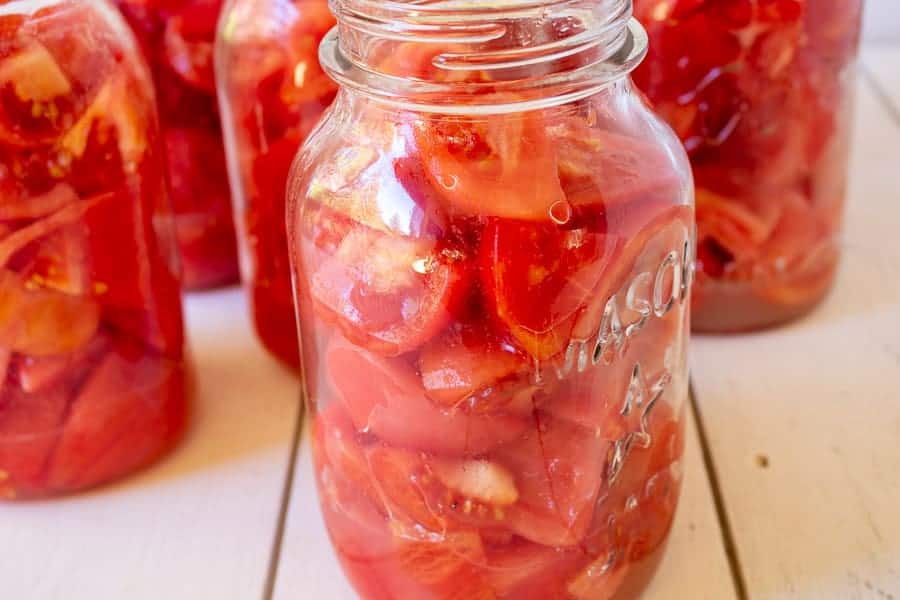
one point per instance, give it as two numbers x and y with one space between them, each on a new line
272 93
492 251
760 91
91 347
177 39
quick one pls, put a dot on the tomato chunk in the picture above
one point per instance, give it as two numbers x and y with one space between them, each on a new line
384 397
502 166
130 410
388 293
474 370
540 278
558 467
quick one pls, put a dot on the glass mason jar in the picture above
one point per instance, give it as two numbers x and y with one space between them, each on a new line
177 39
491 244
272 92
91 346
760 91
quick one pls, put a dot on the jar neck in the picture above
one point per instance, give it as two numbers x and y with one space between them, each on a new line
460 56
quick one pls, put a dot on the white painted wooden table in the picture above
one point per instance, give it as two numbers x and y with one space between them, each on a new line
233 515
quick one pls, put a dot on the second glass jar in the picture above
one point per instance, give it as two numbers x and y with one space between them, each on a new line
491 242
177 40
760 91
272 93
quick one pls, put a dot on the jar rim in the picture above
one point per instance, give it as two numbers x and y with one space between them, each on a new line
602 41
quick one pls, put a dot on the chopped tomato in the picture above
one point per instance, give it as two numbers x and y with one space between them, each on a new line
188 43
540 278
426 495
29 428
440 560
601 171
384 397
558 468
527 571
335 443
129 411
501 166
600 580
388 293
470 369
41 322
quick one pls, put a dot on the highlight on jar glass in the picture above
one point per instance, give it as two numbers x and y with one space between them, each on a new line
761 92
91 347
177 39
492 250
272 93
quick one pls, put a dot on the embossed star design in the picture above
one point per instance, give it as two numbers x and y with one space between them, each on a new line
640 400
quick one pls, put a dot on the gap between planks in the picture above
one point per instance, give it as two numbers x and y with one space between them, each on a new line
880 93
286 492
727 533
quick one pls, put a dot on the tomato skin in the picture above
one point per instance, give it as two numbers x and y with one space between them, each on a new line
470 369
559 469
367 286
383 397
23 454
128 412
540 278
505 159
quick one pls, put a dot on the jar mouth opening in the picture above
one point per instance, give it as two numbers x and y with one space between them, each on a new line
476 52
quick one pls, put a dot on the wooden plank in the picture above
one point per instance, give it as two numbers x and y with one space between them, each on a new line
882 20
804 421
198 525
882 65
694 565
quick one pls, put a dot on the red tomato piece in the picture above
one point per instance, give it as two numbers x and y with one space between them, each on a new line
558 469
528 571
335 444
470 369
601 172
600 580
41 322
428 496
356 518
201 199
129 411
441 560
188 42
29 428
501 166
384 397
386 292
539 278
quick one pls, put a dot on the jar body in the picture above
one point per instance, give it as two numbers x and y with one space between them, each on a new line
177 40
273 91
91 341
761 94
494 320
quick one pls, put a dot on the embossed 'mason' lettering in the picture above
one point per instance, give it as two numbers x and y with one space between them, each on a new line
640 400
648 294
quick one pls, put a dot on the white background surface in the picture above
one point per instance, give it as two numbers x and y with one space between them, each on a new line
820 399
